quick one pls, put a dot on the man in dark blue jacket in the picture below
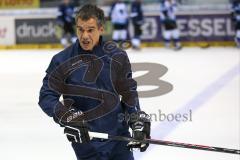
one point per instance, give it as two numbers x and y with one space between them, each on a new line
95 80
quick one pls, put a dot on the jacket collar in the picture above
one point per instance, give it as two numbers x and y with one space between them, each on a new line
80 50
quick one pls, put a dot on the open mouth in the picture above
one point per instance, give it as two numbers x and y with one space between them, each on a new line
85 43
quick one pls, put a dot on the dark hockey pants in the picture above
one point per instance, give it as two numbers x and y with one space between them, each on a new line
118 152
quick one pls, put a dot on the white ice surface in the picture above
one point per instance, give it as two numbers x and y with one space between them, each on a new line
202 81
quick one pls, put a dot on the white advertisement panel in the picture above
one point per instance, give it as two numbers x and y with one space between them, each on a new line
7 30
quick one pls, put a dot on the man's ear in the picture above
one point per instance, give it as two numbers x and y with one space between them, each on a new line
101 29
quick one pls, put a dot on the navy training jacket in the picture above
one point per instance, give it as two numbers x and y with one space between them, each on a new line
105 69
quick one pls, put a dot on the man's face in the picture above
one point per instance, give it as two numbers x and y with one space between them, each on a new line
88 33
66 1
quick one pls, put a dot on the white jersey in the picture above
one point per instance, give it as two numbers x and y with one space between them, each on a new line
119 14
168 9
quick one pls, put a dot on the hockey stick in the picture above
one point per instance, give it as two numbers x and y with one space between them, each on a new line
165 143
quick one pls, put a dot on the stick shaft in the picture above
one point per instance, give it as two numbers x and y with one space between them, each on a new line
165 143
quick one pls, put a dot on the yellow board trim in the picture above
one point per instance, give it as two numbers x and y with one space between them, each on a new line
19 4
193 44
32 46
145 44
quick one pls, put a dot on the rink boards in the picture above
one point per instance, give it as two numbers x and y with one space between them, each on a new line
196 29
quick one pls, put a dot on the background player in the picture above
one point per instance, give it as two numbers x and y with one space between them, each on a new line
137 21
66 21
119 18
236 20
170 32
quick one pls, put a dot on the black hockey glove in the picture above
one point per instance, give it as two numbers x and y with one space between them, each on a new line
140 124
77 134
75 128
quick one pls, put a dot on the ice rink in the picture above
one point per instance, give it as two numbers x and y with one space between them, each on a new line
206 89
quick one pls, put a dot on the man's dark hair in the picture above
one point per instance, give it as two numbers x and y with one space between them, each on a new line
91 11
